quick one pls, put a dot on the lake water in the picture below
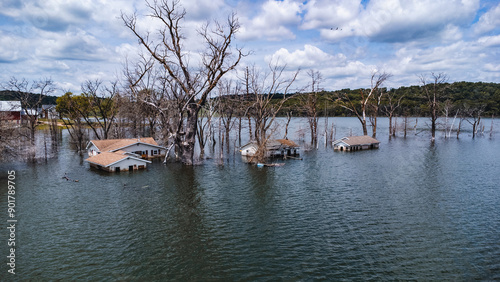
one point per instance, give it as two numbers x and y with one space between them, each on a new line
411 210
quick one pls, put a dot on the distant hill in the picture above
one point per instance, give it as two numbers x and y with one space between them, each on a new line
7 95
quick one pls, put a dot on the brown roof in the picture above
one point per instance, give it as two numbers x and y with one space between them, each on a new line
106 158
358 140
109 158
288 143
114 144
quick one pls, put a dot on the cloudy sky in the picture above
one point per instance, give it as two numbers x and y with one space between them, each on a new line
346 40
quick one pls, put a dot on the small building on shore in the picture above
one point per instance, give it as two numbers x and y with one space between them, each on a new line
116 155
274 148
11 111
355 143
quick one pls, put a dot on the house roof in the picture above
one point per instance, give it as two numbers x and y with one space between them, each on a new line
108 145
357 140
48 107
10 106
274 144
108 158
288 143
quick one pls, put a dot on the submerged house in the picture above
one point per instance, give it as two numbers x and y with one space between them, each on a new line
117 161
355 143
274 148
116 155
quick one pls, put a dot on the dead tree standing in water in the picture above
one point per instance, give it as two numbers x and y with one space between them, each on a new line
311 104
265 107
433 92
361 110
31 94
194 85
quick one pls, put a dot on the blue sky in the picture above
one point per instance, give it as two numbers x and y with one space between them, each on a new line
73 41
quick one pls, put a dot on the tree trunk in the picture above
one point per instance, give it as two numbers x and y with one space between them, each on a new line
390 126
187 144
365 131
374 129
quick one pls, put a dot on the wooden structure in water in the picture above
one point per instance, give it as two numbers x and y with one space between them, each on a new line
274 148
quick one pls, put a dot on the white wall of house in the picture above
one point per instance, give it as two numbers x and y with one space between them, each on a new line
144 149
249 150
126 163
92 150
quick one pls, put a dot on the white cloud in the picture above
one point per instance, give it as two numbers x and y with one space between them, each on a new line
489 41
273 21
71 45
309 57
488 21
51 14
400 21
75 41
330 14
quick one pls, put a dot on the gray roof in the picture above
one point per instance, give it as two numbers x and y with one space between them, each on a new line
357 140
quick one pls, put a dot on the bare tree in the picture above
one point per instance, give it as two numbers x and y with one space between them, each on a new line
447 107
72 119
9 138
265 107
31 95
193 86
311 104
205 127
433 92
393 103
229 104
474 117
360 110
98 108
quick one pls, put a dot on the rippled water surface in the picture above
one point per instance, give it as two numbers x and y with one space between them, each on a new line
407 211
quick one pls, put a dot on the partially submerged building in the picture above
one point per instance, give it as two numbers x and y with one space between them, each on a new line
355 143
274 148
117 161
116 155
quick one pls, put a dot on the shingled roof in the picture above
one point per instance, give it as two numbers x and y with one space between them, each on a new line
358 140
110 145
107 158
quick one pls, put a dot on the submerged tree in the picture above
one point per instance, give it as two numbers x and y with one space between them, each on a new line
360 107
31 95
311 104
433 92
393 103
67 106
473 114
98 107
192 86
265 106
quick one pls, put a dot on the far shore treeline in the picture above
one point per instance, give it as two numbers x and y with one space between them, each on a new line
412 101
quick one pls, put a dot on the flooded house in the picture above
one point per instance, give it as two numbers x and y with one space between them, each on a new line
274 148
355 143
116 155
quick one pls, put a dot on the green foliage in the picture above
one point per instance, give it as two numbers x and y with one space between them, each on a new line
413 103
7 95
